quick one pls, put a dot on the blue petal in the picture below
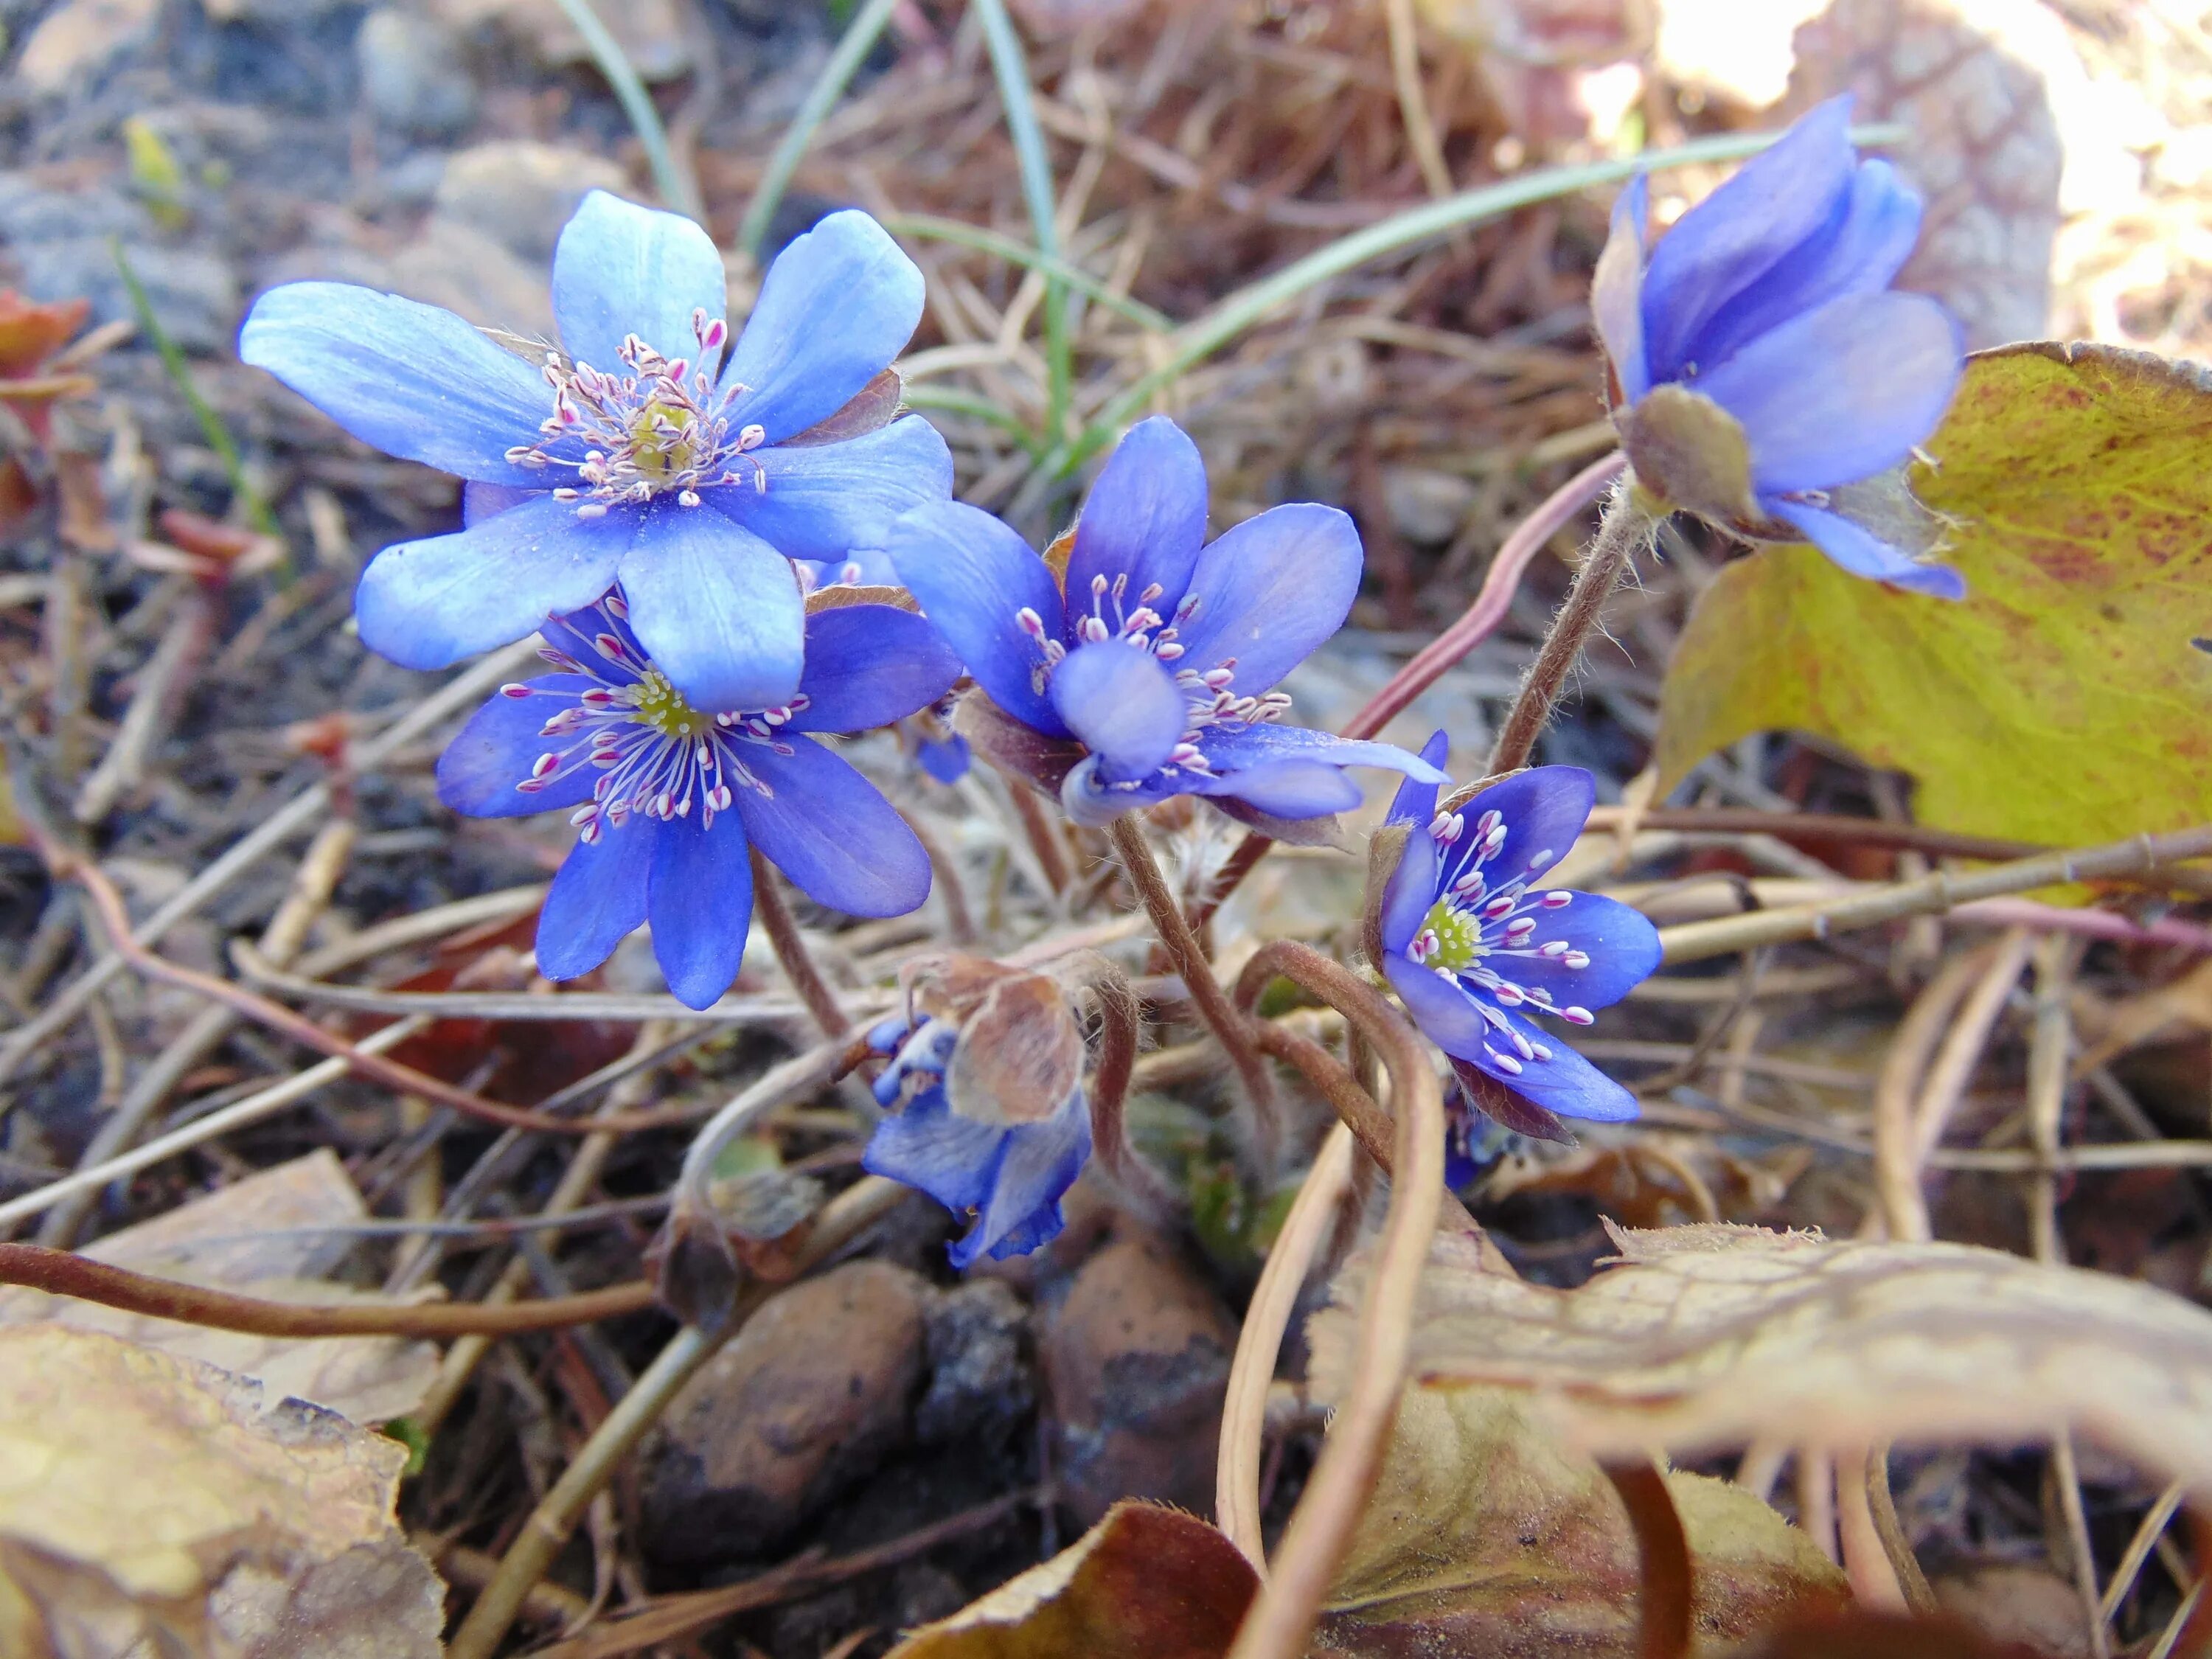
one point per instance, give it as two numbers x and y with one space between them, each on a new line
699 900
1288 788
1544 809
832 832
1842 393
1862 553
1565 1084
1720 247
480 501
1865 245
717 609
411 379
495 752
578 635
1416 801
1040 1163
1227 747
430 604
828 501
1144 523
838 304
1622 945
972 574
946 759
1410 892
1270 591
952 1158
1124 706
1446 1015
620 269
597 898
869 665
1617 290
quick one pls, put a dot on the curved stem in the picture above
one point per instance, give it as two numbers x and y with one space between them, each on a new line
676 186
1010 68
1189 961
1623 530
1662 1559
1118 1016
791 953
843 63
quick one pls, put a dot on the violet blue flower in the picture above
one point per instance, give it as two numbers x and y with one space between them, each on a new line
1473 947
671 800
1767 377
1011 1177
1149 670
636 451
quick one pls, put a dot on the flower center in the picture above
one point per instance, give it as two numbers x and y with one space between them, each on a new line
661 428
1486 917
662 707
1456 936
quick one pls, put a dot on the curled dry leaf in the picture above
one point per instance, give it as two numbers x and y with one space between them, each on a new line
1561 70
1704 1338
1146 1582
157 1505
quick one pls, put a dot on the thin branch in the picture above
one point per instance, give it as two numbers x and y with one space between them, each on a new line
1662 1560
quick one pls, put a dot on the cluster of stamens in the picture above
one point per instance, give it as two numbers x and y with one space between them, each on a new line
1481 920
656 754
660 429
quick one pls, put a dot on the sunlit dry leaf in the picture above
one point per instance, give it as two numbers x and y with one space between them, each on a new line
1146 1582
2062 701
1561 70
1707 1337
152 1499
1020 1053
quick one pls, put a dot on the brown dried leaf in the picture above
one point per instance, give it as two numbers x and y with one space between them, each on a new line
1019 1055
1706 1337
151 1498
1560 70
1146 1582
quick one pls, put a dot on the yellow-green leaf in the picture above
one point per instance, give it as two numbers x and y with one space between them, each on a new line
2063 700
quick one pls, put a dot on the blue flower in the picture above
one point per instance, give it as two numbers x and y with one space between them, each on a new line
944 759
1767 377
637 452
1149 670
1474 948
1011 1176
669 799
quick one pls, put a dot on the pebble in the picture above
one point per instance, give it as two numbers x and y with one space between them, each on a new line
1136 1362
806 1399
650 32
519 193
78 40
413 75
979 1388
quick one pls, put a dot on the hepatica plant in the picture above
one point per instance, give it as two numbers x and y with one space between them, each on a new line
1480 949
647 448
1149 668
669 799
1766 376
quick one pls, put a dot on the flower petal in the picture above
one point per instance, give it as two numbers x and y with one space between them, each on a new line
1862 553
973 575
1126 707
699 900
1416 801
832 832
1617 290
717 609
1562 1082
1446 1015
1270 591
480 501
829 502
1719 247
1040 1163
952 1158
1227 748
430 604
946 759
411 379
1410 892
1543 810
869 665
838 304
1288 788
492 754
1144 523
597 898
1621 944
1865 245
1840 393
620 269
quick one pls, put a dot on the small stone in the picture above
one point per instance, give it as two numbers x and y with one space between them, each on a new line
413 76
978 1386
80 38
2018 1603
650 32
193 294
806 1399
1427 507
456 265
519 193
276 13
1136 1362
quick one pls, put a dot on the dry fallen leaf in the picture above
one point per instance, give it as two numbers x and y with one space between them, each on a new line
1146 1582
1707 1337
252 1237
145 1497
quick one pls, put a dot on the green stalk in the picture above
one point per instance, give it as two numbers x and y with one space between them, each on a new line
852 49
676 184
952 401
929 227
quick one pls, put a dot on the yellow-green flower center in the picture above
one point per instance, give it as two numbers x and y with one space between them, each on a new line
661 706
1458 936
662 446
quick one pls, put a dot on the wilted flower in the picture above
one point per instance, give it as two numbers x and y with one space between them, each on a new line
636 452
1149 668
1766 376
1473 947
669 799
988 1113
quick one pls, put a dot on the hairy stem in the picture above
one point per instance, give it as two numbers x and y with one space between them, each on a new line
1118 1017
792 953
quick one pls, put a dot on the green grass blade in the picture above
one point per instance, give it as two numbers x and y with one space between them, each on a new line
676 184
852 47
929 227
